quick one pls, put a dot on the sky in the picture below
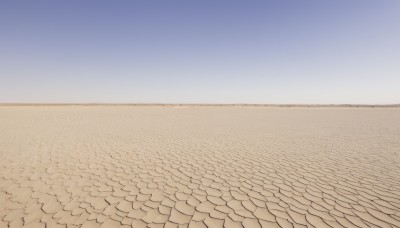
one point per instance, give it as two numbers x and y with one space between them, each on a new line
220 51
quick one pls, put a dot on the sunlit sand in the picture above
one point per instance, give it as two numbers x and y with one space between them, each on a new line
199 166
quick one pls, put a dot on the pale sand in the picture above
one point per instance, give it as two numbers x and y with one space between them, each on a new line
106 166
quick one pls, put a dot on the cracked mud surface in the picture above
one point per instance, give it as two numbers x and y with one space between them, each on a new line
112 166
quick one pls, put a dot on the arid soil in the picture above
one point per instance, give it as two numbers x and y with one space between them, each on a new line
153 166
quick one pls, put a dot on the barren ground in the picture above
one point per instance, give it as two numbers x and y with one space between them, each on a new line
112 166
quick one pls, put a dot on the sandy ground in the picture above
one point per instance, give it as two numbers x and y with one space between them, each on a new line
111 166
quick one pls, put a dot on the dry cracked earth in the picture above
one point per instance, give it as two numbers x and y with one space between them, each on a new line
129 166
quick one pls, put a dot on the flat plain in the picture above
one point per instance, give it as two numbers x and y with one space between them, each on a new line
199 166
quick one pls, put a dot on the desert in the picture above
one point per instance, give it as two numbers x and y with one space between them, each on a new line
199 166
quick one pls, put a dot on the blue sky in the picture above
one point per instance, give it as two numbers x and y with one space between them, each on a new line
200 51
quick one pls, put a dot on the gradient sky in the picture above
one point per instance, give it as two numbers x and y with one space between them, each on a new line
200 51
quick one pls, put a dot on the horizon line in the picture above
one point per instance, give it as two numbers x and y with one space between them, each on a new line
200 104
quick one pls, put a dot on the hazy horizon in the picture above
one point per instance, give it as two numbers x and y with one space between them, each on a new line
258 52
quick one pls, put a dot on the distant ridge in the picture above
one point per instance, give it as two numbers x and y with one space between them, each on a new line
205 104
